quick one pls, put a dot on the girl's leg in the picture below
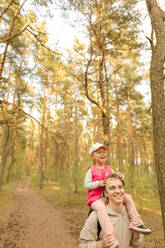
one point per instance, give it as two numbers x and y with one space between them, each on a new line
133 214
136 222
103 218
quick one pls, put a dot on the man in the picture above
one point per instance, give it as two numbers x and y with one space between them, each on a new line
114 191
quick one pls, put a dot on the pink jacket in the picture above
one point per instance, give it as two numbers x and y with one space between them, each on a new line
97 175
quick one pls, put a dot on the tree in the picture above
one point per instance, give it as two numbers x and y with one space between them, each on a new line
13 77
106 24
158 95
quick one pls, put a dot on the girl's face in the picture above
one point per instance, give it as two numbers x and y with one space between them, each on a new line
99 156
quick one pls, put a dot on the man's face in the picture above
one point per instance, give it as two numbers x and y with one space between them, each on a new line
114 191
99 156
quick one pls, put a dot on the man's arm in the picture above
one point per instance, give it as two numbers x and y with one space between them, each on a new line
100 244
107 241
137 239
88 235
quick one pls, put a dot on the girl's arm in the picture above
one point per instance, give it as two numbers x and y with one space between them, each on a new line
88 184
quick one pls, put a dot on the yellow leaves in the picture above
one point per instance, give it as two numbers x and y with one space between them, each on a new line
31 18
78 45
31 89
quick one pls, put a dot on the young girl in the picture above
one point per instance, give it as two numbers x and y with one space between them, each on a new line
94 182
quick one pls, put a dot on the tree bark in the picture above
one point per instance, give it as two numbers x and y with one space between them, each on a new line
76 151
158 97
42 144
131 142
11 166
118 132
7 147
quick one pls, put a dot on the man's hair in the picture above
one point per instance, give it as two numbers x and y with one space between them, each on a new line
114 176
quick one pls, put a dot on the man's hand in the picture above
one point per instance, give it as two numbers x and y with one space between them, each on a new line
108 240
136 235
102 183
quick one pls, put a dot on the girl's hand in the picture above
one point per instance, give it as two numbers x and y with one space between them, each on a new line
102 183
120 174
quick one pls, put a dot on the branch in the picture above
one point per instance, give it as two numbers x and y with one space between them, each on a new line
40 41
27 114
86 76
18 11
151 42
9 35
2 122
12 37
6 8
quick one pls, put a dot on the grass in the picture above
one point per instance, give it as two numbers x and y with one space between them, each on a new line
6 201
64 196
149 204
61 195
145 195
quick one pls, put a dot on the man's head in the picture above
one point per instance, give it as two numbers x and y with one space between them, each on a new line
114 188
98 153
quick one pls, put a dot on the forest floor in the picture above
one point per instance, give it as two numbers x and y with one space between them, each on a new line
36 223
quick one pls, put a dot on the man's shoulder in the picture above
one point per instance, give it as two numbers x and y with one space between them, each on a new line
92 220
93 215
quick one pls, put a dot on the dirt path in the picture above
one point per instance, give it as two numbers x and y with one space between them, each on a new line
35 223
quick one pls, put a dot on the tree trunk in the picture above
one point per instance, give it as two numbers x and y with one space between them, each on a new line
100 45
131 148
105 118
158 97
108 112
76 151
5 153
42 144
118 132
11 166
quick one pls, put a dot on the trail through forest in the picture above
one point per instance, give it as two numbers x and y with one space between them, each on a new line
35 223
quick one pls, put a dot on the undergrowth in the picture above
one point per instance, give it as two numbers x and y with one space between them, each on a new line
145 193
6 200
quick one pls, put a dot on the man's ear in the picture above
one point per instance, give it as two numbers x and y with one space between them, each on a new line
105 194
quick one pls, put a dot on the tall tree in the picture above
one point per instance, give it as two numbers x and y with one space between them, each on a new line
158 95
106 24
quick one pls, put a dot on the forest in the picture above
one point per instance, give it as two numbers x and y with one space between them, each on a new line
55 102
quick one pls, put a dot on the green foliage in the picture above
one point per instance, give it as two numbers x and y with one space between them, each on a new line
146 194
6 201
